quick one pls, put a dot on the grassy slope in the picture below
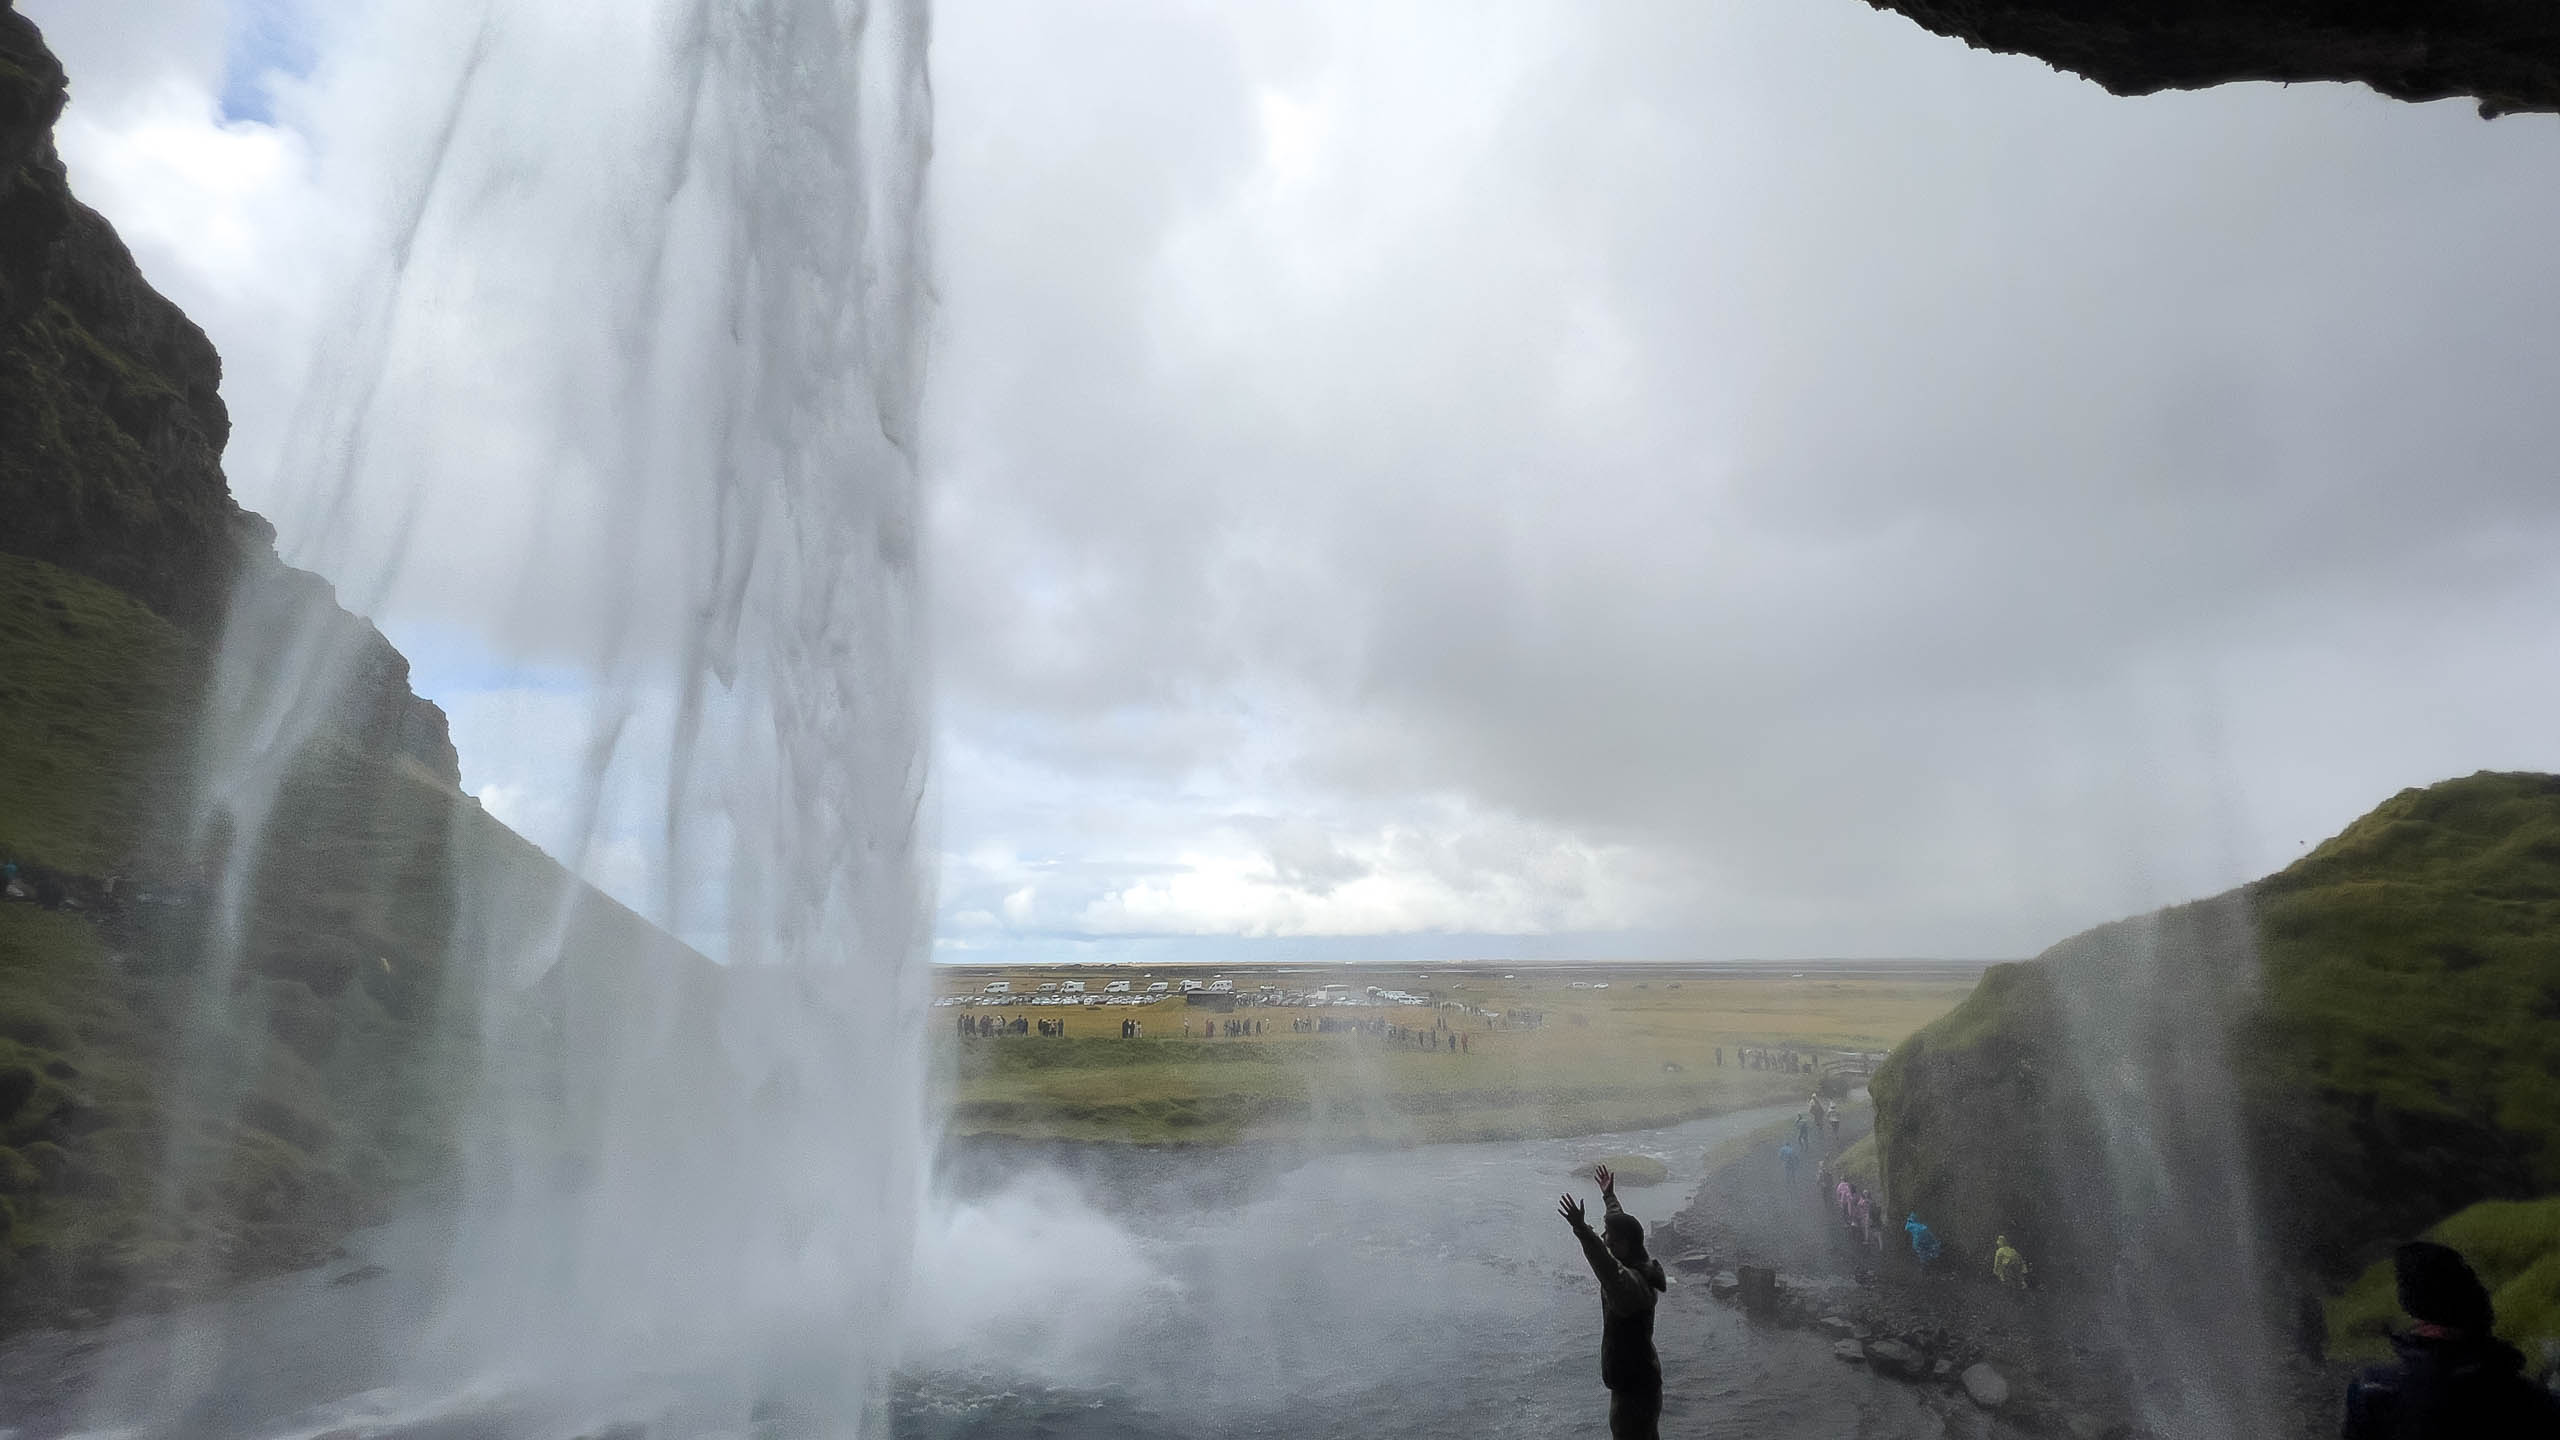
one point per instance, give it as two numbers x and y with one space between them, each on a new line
96 693
160 1129
2409 1059
2400 1066
143 1151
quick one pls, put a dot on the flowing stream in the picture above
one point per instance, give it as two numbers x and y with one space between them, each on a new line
1428 1291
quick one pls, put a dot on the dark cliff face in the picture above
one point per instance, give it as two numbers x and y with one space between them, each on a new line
108 394
112 424
2503 53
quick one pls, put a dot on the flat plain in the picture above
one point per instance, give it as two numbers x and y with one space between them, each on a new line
1538 1050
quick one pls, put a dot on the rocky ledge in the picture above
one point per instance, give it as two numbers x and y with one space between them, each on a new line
2505 54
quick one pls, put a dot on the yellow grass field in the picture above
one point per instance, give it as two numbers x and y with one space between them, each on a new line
1636 1053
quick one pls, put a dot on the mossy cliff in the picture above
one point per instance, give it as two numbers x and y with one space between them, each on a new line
2389 1007
175 1111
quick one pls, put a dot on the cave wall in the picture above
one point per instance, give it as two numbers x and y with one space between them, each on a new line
2504 54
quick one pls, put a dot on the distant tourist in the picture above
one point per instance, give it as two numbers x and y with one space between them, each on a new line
1924 1241
2453 1377
1630 1282
2008 1266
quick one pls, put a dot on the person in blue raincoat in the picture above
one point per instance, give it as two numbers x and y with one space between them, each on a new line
1924 1241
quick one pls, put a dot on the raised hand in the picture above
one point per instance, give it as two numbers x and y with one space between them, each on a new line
1571 1210
1608 1182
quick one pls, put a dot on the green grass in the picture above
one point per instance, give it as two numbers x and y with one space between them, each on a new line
2410 1037
1858 1164
2515 1247
1637 1055
98 701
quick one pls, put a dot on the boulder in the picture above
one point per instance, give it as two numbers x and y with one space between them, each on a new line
1695 1262
1836 1328
1986 1386
1759 1289
1850 1351
1894 1358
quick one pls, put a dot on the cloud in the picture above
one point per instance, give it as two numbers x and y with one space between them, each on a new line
1918 500
1759 480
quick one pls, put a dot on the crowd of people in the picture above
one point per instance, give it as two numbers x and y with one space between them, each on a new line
1754 1057
1859 1210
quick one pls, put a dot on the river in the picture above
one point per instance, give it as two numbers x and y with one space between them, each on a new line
1429 1291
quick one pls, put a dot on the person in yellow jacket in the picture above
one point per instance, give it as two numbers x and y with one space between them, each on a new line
2007 1265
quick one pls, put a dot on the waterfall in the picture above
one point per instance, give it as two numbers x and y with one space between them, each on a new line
2181 1285
689 319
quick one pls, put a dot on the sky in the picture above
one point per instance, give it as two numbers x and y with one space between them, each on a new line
1447 480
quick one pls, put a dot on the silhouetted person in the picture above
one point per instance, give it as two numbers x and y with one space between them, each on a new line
1630 1282
2453 1377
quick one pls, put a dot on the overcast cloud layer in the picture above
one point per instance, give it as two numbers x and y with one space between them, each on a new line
1711 480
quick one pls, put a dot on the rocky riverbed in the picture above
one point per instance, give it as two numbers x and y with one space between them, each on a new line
1992 1361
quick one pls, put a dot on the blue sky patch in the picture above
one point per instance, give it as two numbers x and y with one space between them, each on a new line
269 39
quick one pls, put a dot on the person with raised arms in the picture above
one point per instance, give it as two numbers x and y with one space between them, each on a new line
1630 1282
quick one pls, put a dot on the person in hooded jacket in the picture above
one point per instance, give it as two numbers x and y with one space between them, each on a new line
2453 1378
1630 1282
2007 1265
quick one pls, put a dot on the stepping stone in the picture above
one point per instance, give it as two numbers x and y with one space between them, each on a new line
1985 1386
